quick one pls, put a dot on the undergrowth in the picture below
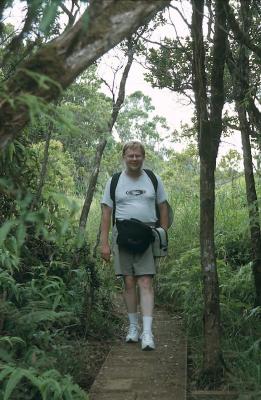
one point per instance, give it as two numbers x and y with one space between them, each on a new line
53 295
179 285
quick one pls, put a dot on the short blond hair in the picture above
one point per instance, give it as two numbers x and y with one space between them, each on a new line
134 144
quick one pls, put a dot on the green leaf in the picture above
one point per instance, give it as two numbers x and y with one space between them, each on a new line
57 301
13 381
35 380
5 229
5 372
20 234
45 315
11 340
50 13
5 356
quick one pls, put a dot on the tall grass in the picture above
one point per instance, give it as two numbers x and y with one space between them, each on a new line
179 281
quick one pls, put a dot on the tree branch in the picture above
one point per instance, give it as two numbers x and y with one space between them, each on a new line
71 16
104 24
240 36
209 6
16 42
182 16
199 74
157 43
189 56
219 58
121 94
217 73
240 82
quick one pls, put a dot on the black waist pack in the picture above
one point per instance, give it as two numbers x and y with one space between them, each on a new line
133 235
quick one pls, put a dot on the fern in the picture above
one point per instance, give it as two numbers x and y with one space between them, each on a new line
11 340
35 317
14 379
50 384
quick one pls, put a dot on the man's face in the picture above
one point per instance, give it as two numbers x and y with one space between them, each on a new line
133 159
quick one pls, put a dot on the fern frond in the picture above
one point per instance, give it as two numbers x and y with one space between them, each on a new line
11 340
43 315
13 381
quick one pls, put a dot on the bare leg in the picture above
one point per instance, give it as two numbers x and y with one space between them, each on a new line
146 295
130 294
130 297
147 304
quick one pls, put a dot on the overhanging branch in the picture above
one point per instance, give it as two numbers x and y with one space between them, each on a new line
102 26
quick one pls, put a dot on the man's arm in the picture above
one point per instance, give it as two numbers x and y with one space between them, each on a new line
105 229
164 217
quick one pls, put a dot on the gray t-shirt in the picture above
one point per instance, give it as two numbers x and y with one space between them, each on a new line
135 197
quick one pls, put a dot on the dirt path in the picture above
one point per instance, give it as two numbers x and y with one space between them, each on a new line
131 374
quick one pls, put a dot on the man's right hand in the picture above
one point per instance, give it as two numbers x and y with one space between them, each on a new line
105 252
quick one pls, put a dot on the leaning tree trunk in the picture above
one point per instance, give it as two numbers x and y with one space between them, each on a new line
92 184
55 66
209 116
102 144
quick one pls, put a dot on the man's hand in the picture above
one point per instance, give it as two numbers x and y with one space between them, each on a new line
105 252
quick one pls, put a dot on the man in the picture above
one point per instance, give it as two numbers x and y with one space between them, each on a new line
134 198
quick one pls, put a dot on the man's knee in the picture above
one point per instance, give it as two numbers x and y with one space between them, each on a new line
129 282
145 282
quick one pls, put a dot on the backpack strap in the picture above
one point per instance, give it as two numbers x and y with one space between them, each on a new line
154 181
114 181
153 178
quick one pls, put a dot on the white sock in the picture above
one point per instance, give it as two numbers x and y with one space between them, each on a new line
147 323
133 318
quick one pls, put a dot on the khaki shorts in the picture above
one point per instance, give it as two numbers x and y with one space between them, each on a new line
126 263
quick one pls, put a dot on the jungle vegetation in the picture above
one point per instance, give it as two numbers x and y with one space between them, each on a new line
61 135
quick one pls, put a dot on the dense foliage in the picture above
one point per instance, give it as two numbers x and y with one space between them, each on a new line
56 295
179 282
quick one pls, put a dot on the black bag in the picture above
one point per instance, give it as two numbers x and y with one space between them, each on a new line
133 235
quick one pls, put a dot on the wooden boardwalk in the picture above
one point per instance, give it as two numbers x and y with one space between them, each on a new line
131 374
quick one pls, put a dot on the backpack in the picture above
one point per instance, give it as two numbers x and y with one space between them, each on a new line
114 181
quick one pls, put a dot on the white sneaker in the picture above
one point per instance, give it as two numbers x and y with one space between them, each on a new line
147 341
133 334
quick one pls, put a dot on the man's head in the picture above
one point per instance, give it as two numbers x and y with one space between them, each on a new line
133 154
133 145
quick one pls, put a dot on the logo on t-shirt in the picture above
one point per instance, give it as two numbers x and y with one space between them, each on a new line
135 192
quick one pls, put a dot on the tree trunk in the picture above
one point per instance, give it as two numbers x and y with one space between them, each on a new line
254 220
212 368
240 77
104 24
92 185
209 121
